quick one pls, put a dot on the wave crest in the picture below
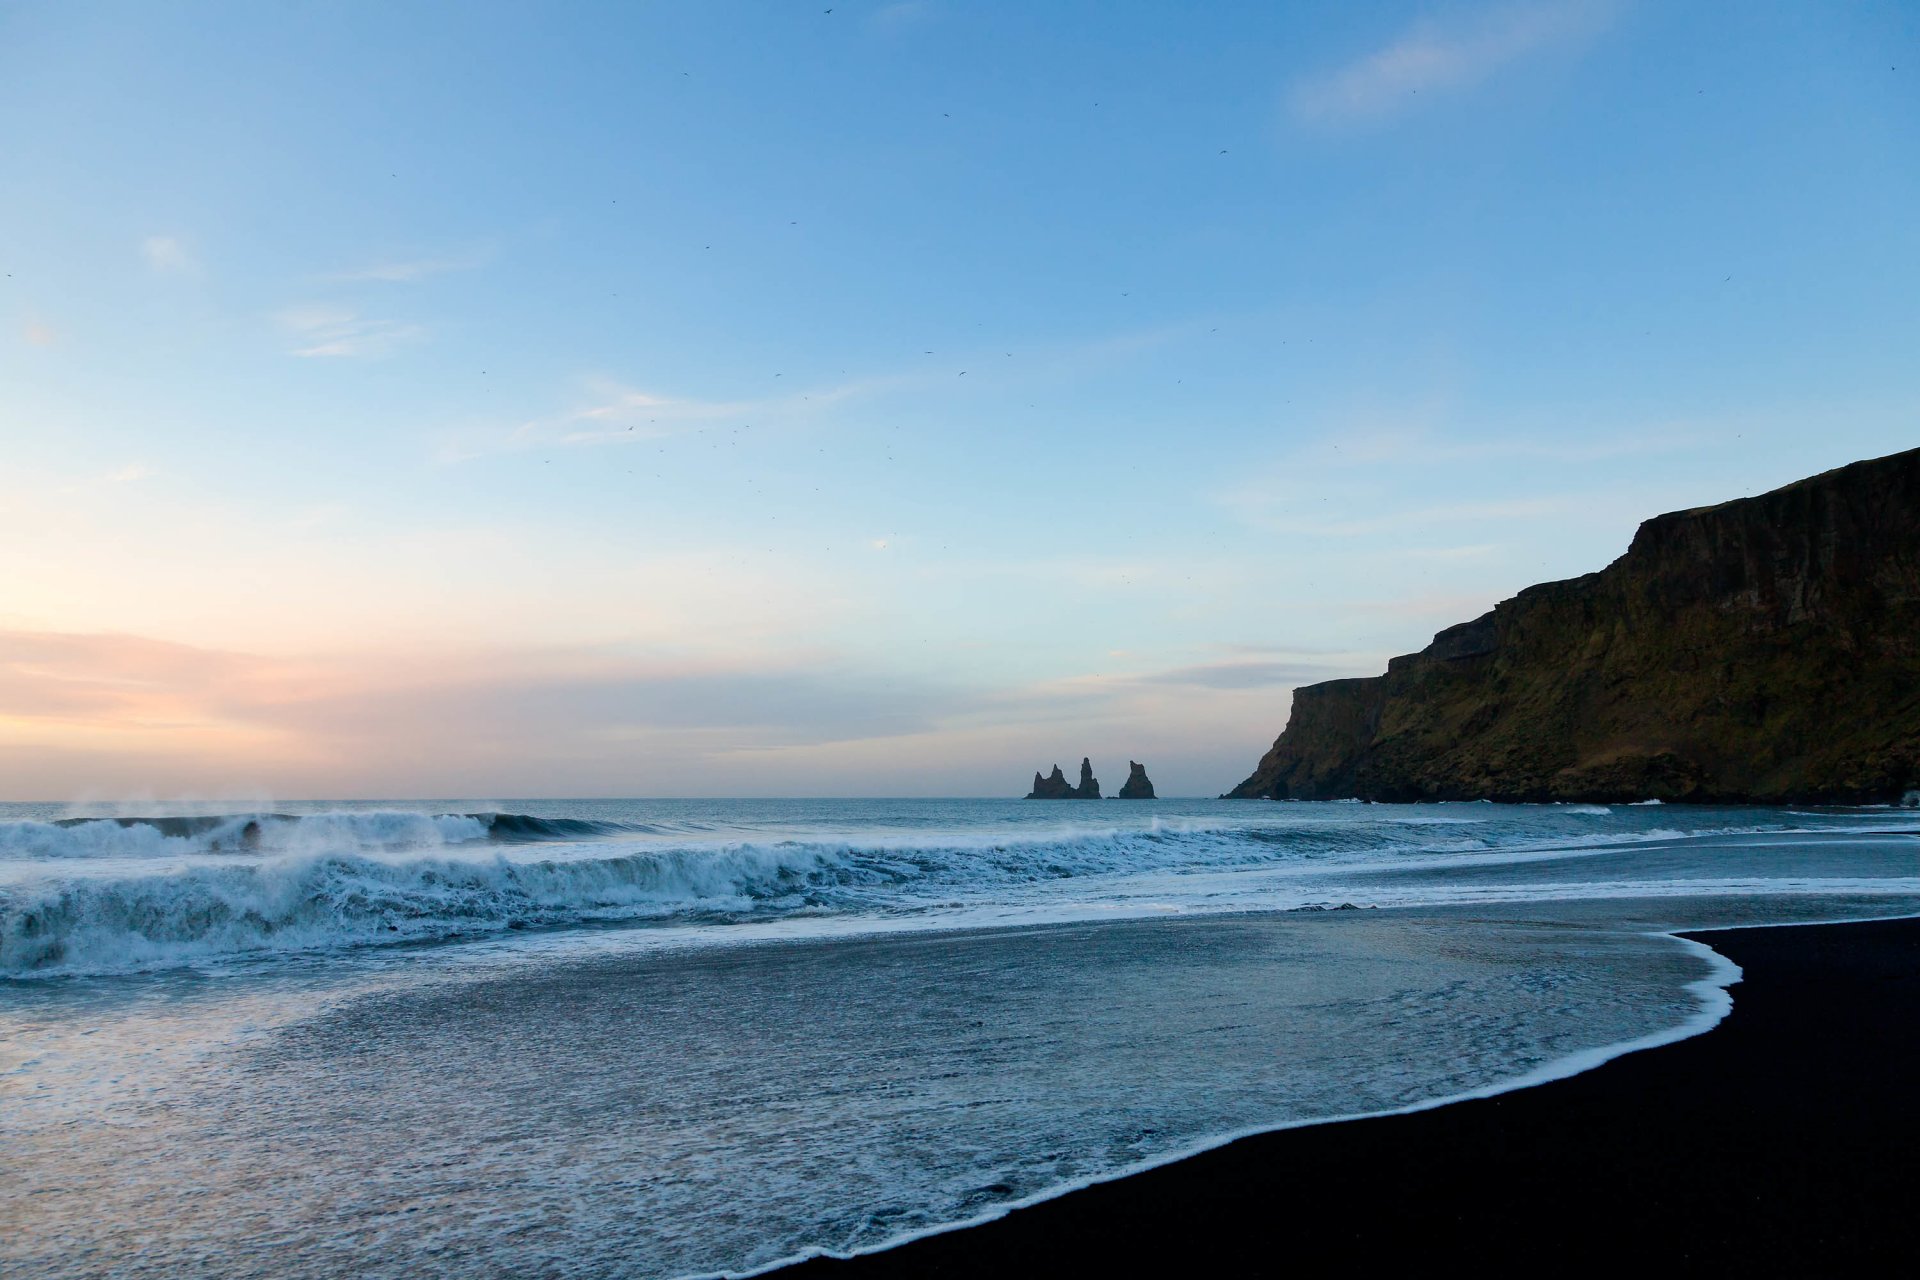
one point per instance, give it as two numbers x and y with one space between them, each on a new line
342 831
97 924
301 904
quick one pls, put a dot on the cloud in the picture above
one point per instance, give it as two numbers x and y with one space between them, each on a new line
37 333
1248 675
167 255
1420 447
1449 555
1314 513
106 714
1435 57
324 331
614 413
1433 606
129 474
894 16
400 271
1385 479
217 717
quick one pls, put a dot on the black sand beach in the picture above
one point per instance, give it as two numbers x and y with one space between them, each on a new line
1787 1139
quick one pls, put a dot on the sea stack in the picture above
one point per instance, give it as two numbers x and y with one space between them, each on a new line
1052 787
1137 786
1766 650
1089 788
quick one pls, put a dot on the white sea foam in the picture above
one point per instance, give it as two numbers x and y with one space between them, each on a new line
1714 1003
796 1087
246 832
99 896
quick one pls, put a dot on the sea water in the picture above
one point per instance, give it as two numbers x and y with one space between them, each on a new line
619 1038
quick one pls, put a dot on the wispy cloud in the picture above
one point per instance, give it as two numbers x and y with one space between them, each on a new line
128 474
402 270
612 413
615 413
1433 58
1311 513
168 256
1454 555
1429 606
1384 479
1248 675
324 331
214 717
1423 447
894 16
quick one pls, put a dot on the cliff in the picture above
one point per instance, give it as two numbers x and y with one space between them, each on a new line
1764 650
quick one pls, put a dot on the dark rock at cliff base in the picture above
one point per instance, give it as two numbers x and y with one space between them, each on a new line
1052 787
1137 786
1089 788
1764 650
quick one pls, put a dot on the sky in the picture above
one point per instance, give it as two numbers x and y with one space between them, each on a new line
723 399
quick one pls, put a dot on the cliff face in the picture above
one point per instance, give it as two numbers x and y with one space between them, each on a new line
1766 649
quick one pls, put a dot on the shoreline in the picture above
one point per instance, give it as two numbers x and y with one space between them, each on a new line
1772 1127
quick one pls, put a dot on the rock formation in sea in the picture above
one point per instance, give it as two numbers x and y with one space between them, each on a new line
1089 788
1763 650
1056 787
1137 786
1052 787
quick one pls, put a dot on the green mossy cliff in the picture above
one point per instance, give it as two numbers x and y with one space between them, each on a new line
1764 650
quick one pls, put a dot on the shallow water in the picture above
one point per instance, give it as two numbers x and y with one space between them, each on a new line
959 1006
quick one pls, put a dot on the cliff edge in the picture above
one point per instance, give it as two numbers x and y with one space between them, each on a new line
1763 650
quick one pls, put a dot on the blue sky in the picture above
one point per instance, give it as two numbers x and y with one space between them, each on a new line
496 400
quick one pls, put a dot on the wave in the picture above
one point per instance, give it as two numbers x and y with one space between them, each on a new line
304 904
108 923
340 831
354 879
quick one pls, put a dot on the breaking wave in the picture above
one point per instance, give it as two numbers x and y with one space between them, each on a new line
91 896
300 904
302 901
285 833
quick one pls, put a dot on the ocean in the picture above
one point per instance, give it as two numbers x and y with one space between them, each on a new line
674 1038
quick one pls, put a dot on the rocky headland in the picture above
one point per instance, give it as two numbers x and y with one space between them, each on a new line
1765 650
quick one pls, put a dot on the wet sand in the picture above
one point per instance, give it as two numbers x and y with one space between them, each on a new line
1786 1138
